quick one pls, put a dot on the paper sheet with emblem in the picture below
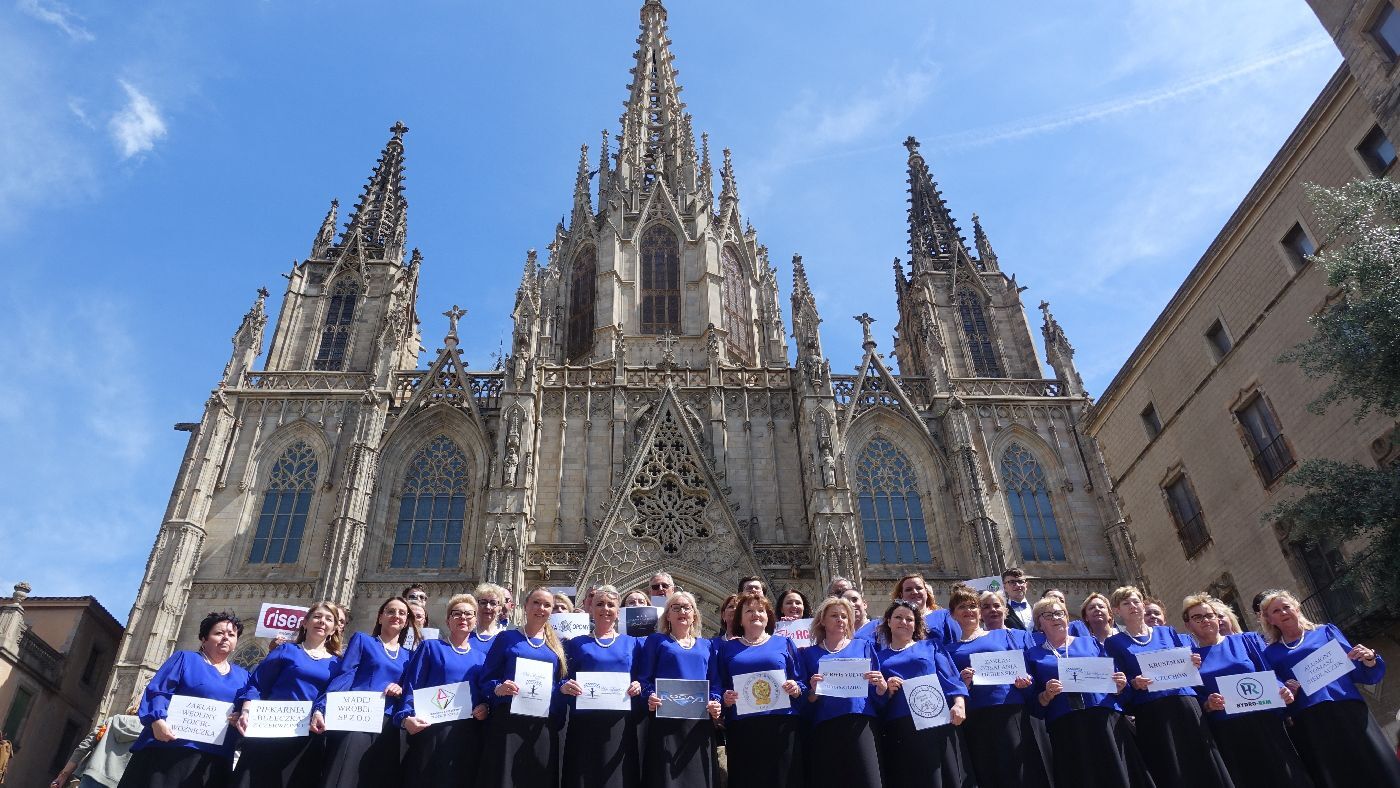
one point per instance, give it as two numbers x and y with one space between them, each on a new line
536 682
1246 692
603 691
760 691
443 703
928 706
683 699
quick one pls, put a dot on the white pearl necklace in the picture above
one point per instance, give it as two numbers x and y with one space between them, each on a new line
467 650
609 644
761 640
394 655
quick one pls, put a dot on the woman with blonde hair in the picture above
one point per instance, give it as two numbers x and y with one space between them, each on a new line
838 722
1334 730
1095 619
490 604
444 753
1254 744
293 671
523 751
1000 732
763 745
636 598
1182 752
678 753
600 750
1081 722
934 757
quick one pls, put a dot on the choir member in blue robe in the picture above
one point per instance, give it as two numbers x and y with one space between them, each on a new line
763 746
445 753
1000 733
1254 744
841 723
296 671
371 663
910 758
942 630
1335 732
1092 746
522 751
600 748
677 753
159 758
1175 740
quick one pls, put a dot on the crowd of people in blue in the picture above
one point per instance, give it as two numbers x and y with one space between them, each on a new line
912 712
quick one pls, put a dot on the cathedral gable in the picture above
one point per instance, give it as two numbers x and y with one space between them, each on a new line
669 513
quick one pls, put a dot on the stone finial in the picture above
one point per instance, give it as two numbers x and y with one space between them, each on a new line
22 590
398 130
453 315
667 342
912 144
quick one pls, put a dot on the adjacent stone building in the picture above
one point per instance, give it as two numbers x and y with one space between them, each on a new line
1202 424
650 414
56 655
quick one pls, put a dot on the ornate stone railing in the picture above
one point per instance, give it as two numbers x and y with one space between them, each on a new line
307 381
874 391
1008 387
655 377
40 657
486 387
782 556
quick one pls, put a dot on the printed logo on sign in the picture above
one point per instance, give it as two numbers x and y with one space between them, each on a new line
1249 689
443 698
283 618
927 702
761 690
681 699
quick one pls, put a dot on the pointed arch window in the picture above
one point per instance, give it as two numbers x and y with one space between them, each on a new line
432 507
661 288
335 331
978 336
734 298
1028 498
582 281
282 521
891 511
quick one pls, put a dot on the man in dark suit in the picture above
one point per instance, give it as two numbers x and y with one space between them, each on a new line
1015 584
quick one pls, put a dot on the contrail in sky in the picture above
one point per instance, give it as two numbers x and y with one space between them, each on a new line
1091 112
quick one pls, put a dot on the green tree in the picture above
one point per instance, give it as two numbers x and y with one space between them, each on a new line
1355 346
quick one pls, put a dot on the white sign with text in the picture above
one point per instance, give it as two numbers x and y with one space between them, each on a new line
279 620
1169 668
1322 667
997 667
355 711
536 681
278 719
198 719
1246 692
570 625
1087 674
603 691
799 631
843 677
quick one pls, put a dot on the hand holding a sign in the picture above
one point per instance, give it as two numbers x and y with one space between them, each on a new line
508 687
1053 687
318 722
1120 680
877 679
1366 656
161 730
393 690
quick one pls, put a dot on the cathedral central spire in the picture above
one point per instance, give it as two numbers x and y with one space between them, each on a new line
657 142
934 238
381 216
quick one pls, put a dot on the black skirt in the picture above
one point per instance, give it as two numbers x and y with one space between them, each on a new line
175 767
445 755
853 735
355 759
929 758
763 751
1181 751
520 751
1004 749
1092 751
679 754
600 750
1258 752
293 762
1343 745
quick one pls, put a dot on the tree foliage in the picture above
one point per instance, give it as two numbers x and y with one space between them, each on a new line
1355 346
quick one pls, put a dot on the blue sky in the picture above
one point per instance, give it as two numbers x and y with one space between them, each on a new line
160 162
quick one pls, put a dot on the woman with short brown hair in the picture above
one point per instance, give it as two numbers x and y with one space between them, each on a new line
762 745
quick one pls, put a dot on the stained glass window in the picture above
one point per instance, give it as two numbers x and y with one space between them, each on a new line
282 522
734 298
1028 498
335 331
977 335
432 508
891 512
661 288
581 285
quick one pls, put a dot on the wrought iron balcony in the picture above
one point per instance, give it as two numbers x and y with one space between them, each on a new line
1273 460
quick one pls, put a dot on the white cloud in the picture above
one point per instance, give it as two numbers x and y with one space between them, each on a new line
58 15
138 125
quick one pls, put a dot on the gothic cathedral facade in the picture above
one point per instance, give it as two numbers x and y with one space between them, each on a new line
650 414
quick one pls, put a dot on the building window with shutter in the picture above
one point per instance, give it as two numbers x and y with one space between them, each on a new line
335 330
1186 512
582 282
1271 456
661 287
980 347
